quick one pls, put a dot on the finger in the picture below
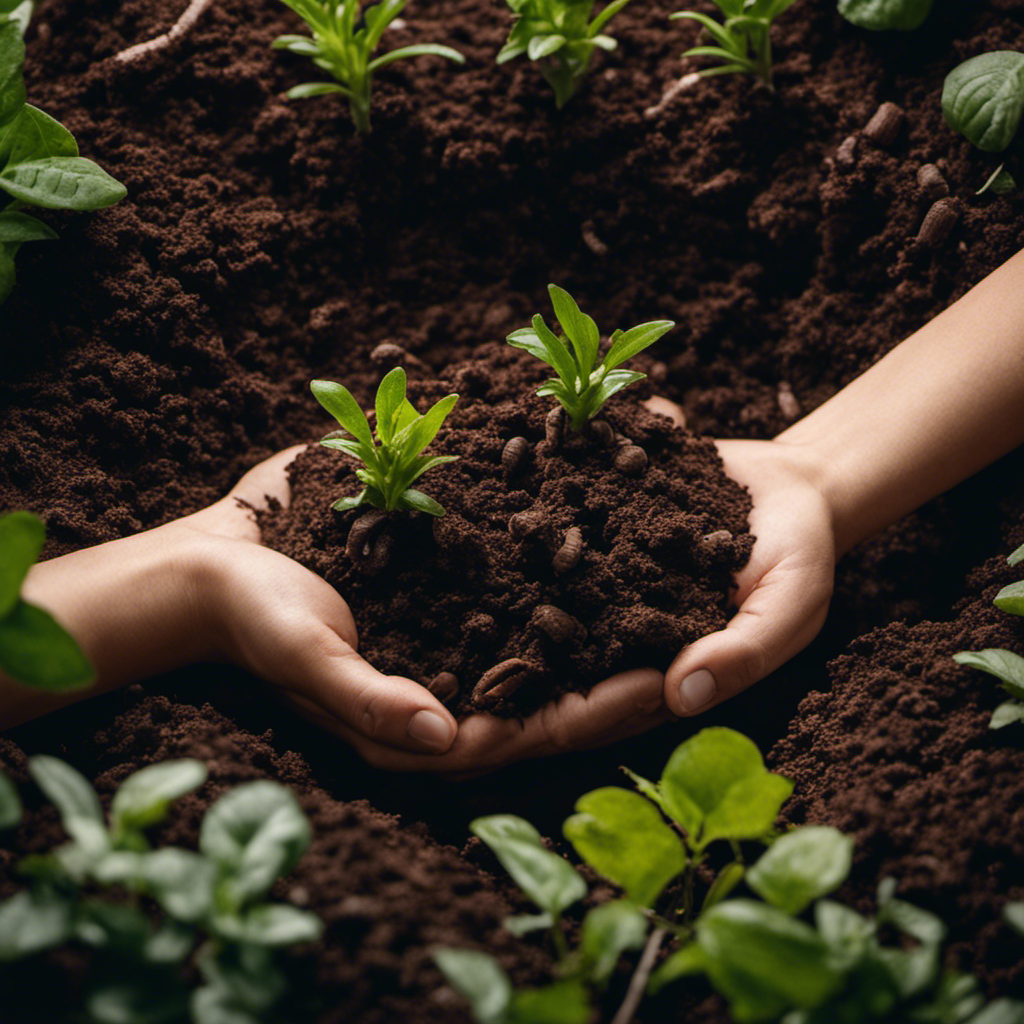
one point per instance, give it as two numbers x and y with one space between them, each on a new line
780 616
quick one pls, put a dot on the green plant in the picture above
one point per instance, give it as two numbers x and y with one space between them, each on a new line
340 47
18 11
39 161
584 382
34 649
879 15
561 37
211 906
392 463
769 963
983 99
744 38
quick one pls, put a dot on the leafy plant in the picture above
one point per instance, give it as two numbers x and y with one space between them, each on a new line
39 161
768 962
983 99
393 462
18 11
744 38
561 37
1006 666
584 383
214 902
344 50
879 15
34 649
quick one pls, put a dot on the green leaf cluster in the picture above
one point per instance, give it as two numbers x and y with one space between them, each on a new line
879 15
584 381
1006 666
344 38
213 902
742 41
39 161
561 36
392 462
34 649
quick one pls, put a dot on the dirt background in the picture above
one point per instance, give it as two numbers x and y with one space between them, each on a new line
163 346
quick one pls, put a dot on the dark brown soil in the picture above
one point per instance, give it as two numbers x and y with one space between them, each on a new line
165 345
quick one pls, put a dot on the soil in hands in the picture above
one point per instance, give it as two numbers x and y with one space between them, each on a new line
563 558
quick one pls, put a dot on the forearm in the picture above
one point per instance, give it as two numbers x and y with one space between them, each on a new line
133 605
942 405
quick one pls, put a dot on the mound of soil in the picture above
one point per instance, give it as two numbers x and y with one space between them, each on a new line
497 606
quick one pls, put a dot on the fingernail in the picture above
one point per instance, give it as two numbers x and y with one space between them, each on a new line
697 689
431 730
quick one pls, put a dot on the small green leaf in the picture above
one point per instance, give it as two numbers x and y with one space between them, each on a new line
390 396
308 89
478 978
210 1005
523 924
1011 599
634 341
528 340
551 882
31 922
612 384
21 538
1007 713
983 99
10 804
579 328
558 354
416 50
1016 556
564 1002
621 835
416 501
1001 1011
34 135
68 790
338 401
728 878
141 1000
1013 914
143 797
62 183
682 963
842 927
913 921
801 866
181 881
37 651
20 227
879 15
169 944
273 924
1000 183
608 931
12 59
415 436
1006 666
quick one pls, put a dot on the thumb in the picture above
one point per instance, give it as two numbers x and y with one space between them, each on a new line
780 616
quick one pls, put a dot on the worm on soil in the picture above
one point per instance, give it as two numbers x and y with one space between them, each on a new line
444 686
590 239
885 125
672 92
514 456
631 460
559 626
571 550
502 681
554 427
369 543
179 28
938 222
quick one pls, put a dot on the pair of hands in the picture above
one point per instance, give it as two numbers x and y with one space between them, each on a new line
287 625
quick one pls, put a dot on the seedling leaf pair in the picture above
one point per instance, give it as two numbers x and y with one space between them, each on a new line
393 462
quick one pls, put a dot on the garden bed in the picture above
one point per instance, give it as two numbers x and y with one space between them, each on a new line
163 346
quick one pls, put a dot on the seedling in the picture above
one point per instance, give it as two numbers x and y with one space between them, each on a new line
879 15
584 383
983 99
39 161
758 953
392 462
744 37
343 40
561 37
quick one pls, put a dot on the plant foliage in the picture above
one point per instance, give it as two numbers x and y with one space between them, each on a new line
392 461
39 161
344 38
561 36
743 39
879 15
584 382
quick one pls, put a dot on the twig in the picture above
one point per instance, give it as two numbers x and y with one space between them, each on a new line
638 983
179 28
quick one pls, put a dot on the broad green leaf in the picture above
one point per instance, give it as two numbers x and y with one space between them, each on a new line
21 14
478 978
116 926
406 414
37 651
1016 556
558 354
416 50
20 227
181 881
1013 914
528 340
12 59
579 328
635 340
210 1005
308 89
749 808
885 14
31 922
608 931
416 501
801 866
983 99
1006 666
613 383
10 804
415 436
1001 1011
246 974
169 944
1007 713
21 539
913 921
564 1002
62 183
33 135
273 924
257 833
621 835
543 46
338 401
551 882
68 790
842 927
1011 599
345 504
143 798
682 963
390 396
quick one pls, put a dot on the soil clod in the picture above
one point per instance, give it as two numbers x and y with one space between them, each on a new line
602 432
444 686
569 554
631 460
387 353
788 404
846 154
526 524
885 125
369 542
557 625
930 178
939 221
502 681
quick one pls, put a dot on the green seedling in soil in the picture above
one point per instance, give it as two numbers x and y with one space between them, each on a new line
392 462
743 38
983 99
34 649
879 15
39 161
561 37
584 382
1006 666
789 956
209 907
344 38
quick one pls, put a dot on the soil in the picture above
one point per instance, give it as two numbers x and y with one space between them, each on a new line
165 345
485 585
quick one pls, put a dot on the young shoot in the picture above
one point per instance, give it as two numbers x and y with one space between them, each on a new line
561 37
744 38
584 382
392 461
344 38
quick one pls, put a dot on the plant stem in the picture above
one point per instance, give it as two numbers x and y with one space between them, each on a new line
359 104
638 983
